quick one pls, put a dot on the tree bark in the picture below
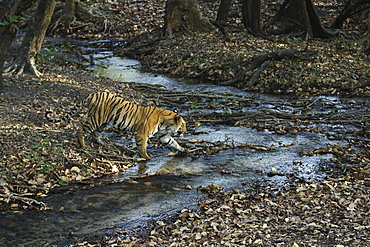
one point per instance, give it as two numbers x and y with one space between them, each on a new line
72 11
223 11
184 14
251 16
7 31
366 40
303 14
277 16
351 8
33 39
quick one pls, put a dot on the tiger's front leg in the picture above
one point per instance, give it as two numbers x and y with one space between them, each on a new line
170 142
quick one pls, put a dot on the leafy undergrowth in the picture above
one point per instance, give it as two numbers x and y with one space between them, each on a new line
338 66
37 156
330 213
335 67
335 212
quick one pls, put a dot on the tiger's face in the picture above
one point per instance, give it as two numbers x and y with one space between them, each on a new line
174 122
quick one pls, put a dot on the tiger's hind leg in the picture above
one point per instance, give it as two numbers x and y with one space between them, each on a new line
88 128
81 137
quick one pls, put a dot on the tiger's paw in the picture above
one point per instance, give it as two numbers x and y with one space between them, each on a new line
181 150
99 141
177 153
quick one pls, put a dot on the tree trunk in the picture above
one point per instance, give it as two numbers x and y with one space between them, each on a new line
72 11
7 32
304 16
251 16
184 14
351 8
297 11
366 40
69 12
33 39
223 11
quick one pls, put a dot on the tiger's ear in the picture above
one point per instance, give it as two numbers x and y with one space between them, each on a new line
175 110
177 119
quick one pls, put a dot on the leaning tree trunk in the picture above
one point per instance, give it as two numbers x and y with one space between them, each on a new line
351 8
366 40
184 14
31 45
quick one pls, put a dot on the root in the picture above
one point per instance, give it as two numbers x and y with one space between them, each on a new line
74 18
33 69
238 113
18 69
21 65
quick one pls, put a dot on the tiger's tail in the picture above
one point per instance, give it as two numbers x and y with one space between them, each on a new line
70 114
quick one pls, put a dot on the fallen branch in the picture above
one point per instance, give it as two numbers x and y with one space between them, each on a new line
200 147
29 201
260 61
142 48
254 78
358 85
203 100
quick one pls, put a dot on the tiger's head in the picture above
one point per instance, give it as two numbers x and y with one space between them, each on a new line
172 121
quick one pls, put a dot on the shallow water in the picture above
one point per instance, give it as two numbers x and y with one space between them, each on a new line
156 190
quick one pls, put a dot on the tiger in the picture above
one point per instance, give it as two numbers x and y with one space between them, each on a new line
109 110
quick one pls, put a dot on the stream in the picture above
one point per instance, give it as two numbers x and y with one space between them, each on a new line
158 189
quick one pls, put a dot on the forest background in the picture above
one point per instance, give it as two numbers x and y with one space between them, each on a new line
299 48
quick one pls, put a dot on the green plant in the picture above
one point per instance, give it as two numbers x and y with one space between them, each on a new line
226 96
227 111
193 105
12 20
48 167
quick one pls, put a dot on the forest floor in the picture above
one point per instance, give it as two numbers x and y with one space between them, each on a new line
36 157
